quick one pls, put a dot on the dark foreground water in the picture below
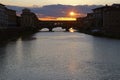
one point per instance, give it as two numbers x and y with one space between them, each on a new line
60 56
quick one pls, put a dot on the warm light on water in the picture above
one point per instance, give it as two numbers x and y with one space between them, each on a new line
71 30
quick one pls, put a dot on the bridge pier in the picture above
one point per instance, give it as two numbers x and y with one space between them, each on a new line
67 29
50 29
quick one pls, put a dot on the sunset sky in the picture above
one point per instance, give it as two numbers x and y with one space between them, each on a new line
57 9
49 2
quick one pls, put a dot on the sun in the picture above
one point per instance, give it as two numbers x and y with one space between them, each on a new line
72 13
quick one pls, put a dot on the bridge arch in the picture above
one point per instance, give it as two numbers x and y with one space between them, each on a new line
44 29
54 24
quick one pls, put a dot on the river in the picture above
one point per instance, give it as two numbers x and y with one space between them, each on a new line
60 56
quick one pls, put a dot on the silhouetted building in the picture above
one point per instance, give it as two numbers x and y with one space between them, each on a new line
28 19
86 23
3 16
12 18
8 17
89 21
18 21
107 19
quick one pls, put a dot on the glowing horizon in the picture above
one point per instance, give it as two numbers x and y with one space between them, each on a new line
66 19
58 19
72 17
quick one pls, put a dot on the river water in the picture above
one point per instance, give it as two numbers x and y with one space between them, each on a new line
60 56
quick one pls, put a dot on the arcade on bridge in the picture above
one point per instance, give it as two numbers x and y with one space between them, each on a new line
53 24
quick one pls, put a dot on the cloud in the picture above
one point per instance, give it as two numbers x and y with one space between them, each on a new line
57 10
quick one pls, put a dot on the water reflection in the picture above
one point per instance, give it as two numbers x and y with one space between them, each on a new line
58 29
60 56
28 37
106 57
3 61
71 30
73 68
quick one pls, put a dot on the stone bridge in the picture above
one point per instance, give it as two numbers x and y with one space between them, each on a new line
53 24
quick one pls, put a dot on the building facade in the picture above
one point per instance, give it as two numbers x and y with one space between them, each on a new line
3 16
111 20
12 18
86 23
28 19
8 17
105 20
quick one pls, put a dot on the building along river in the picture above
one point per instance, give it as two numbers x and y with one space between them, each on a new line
60 56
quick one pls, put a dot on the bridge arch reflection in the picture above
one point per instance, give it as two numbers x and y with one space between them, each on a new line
44 29
56 29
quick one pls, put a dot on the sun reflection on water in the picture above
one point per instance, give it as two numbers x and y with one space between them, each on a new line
71 30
